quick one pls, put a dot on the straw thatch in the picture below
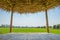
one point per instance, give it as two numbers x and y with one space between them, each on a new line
23 6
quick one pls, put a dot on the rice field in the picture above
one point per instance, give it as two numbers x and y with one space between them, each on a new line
29 30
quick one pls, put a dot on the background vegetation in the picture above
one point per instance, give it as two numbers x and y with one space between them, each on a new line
25 29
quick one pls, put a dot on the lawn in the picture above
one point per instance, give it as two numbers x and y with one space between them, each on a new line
29 30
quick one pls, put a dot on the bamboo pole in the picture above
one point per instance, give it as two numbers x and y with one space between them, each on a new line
11 20
47 27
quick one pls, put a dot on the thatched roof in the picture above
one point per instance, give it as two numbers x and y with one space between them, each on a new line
23 6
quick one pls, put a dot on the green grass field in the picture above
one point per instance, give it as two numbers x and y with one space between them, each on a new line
28 30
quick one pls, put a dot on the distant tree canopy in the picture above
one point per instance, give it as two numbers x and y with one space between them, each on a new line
8 26
4 26
56 26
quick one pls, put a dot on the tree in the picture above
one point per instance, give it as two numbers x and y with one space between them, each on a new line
58 26
54 26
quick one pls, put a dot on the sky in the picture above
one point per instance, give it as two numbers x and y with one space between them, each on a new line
36 19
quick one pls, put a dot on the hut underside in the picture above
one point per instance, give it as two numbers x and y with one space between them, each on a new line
30 6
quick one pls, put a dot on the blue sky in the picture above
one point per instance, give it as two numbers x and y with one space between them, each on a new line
36 19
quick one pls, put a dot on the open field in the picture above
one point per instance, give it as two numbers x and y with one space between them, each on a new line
29 30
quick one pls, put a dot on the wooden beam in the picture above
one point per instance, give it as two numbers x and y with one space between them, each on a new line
11 20
47 27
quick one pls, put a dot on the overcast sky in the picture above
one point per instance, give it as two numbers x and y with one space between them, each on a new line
36 19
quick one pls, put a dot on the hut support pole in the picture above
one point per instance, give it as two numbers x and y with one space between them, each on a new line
47 28
11 20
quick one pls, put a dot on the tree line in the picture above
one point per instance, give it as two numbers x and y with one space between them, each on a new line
54 26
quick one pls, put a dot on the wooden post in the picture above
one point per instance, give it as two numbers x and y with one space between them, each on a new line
47 27
11 20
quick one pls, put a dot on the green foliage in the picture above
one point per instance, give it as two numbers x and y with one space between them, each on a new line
56 26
